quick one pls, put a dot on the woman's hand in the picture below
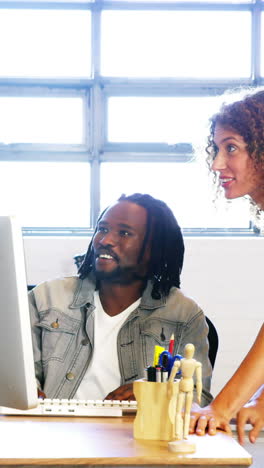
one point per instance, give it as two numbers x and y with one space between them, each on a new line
253 413
208 419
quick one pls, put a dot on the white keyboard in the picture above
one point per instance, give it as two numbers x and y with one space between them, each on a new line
56 407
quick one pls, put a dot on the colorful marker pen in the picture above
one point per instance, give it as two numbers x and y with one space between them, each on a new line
151 374
171 345
158 374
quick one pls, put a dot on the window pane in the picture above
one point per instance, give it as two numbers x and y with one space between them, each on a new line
57 1
176 44
45 43
46 194
41 120
184 187
186 1
159 119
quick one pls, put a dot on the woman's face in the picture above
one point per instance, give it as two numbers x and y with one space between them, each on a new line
237 173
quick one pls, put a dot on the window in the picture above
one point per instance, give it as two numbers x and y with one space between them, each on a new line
44 193
99 98
176 44
45 43
159 119
39 119
191 201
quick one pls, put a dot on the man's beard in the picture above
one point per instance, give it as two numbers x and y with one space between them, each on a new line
120 275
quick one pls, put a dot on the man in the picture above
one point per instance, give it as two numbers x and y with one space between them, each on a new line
94 334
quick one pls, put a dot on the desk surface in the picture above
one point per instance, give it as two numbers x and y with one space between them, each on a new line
36 441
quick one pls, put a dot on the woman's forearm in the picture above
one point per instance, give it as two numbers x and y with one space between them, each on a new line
246 380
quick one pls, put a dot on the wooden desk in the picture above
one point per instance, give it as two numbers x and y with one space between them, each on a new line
57 442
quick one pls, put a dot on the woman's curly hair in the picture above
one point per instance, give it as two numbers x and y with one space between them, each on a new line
245 117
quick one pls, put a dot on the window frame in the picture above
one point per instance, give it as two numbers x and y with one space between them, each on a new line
97 89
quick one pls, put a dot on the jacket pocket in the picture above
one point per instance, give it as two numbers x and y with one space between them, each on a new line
58 331
157 332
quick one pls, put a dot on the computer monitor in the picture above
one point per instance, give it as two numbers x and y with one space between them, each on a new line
17 377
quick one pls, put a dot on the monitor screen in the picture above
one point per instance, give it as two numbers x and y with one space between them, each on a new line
17 377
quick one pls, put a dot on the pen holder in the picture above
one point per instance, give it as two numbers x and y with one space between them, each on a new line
156 409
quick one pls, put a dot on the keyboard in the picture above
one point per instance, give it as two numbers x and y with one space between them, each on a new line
86 408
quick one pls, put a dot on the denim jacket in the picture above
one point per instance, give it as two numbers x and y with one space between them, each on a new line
62 318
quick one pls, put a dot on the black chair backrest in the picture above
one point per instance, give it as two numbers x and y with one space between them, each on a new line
213 341
78 259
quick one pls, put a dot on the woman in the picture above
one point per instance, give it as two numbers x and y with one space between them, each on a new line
236 154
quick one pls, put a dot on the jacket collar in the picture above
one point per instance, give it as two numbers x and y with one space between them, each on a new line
84 294
147 301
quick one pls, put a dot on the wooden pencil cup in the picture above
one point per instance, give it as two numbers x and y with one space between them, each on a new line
156 409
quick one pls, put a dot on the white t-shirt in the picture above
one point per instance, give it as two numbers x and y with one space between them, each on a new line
103 373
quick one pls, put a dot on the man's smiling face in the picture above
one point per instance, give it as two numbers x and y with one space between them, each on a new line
118 241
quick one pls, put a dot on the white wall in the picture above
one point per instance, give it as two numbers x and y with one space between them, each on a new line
224 275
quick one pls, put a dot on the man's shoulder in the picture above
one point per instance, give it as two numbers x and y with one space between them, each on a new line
182 305
60 283
177 296
55 293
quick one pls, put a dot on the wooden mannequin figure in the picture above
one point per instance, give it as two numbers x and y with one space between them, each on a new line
188 366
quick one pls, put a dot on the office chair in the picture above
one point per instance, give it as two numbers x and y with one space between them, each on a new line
78 259
213 341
